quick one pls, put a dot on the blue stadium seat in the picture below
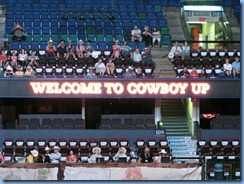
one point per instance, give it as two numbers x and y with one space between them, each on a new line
35 15
44 8
54 30
18 15
53 8
36 23
151 16
141 45
72 23
45 23
99 30
108 30
15 46
162 23
109 38
54 23
98 23
25 45
118 30
125 22
36 30
36 8
140 9
91 37
27 7
99 38
122 9
44 15
153 23
89 23
135 22
46 30
116 23
132 45
72 30
10 15
27 15
102 46
160 16
18 8
107 23
43 45
149 8
133 16
124 16
10 23
143 22
34 46
120 38
131 9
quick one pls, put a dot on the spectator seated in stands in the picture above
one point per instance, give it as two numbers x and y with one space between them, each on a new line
175 51
89 49
147 36
125 50
193 73
33 59
80 49
96 154
33 157
184 73
110 67
136 34
19 72
72 158
139 72
29 71
91 73
146 156
100 67
50 49
46 158
236 67
136 57
147 58
70 49
14 61
9 71
130 72
186 49
3 59
23 58
162 153
55 156
18 32
120 154
1 158
156 36
116 50
227 68
61 49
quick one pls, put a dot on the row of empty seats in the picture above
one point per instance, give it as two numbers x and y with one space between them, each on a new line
218 147
214 53
49 122
226 122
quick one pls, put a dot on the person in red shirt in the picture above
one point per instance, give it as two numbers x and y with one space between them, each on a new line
3 59
193 73
72 158
1 158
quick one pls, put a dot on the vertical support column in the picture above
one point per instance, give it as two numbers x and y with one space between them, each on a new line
195 114
157 110
83 108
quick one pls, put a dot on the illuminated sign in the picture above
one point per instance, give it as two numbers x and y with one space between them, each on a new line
119 88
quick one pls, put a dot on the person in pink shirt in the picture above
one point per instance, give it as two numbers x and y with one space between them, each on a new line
3 58
80 49
1 158
116 50
72 158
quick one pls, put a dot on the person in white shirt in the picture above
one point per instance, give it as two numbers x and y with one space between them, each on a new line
175 51
156 36
100 67
120 154
227 67
55 156
136 34
137 57
96 154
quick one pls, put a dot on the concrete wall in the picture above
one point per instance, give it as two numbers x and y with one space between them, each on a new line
208 29
208 134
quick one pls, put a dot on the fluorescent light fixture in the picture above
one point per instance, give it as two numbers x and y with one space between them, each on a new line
202 8
196 22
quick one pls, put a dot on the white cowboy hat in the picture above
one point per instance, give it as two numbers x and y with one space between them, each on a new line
116 41
130 68
96 148
124 150
81 41
9 68
50 41
28 67
34 153
56 148
47 148
163 151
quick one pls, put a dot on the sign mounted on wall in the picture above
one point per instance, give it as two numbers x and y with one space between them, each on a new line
118 88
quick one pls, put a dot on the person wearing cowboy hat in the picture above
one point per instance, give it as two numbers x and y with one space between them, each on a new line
55 156
162 153
120 154
9 71
19 72
91 73
96 154
33 157
33 59
29 71
46 155
130 72
50 49
80 49
116 50
70 49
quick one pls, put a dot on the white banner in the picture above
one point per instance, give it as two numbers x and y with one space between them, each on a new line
28 174
132 173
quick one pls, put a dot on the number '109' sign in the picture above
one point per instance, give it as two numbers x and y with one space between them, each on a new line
120 88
